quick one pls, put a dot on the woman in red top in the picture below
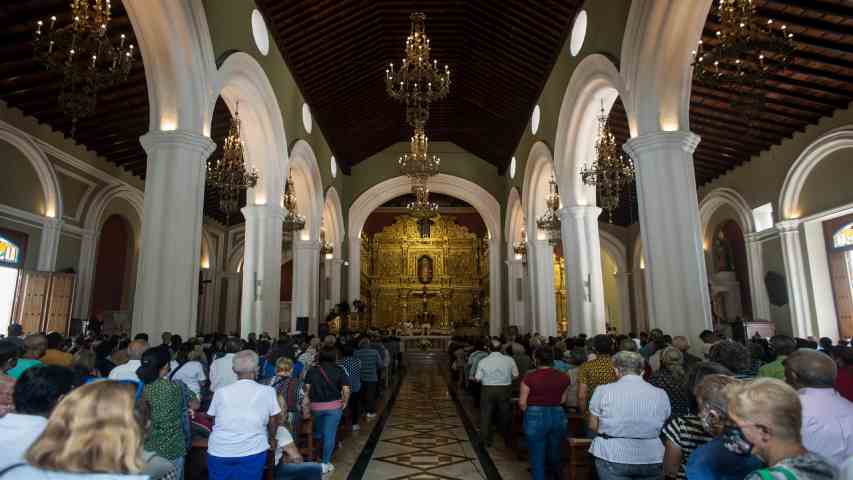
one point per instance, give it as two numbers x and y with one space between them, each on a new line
544 391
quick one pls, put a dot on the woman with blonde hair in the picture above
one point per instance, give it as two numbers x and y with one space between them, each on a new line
672 378
92 434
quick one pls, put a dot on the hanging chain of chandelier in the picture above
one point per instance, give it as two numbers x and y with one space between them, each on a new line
746 51
229 175
549 222
417 83
612 172
84 54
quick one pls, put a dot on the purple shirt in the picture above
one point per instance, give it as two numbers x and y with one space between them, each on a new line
827 424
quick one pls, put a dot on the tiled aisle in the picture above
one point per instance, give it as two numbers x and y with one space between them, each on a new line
424 438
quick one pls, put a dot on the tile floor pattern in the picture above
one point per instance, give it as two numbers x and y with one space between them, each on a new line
424 438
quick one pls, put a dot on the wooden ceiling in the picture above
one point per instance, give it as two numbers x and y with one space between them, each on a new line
500 54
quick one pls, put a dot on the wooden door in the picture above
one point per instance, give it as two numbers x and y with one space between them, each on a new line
59 302
841 288
31 300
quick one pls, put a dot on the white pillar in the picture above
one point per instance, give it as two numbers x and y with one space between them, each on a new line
541 259
585 286
261 269
755 259
335 281
624 301
515 291
306 277
495 318
795 275
85 274
669 221
354 284
167 278
233 303
49 246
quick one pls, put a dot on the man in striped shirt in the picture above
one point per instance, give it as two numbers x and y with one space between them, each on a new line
371 362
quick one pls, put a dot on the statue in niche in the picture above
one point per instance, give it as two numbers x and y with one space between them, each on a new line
425 269
723 257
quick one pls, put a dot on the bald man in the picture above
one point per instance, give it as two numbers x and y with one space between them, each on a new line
827 416
128 370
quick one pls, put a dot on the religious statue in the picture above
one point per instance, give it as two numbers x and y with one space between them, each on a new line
723 256
425 269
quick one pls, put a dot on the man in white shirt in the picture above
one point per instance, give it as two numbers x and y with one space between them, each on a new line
128 370
495 373
827 427
36 394
246 419
627 416
221 370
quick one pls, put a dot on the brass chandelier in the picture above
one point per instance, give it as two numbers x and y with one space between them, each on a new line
418 82
422 210
611 172
747 51
549 222
418 163
229 174
293 221
82 52
520 248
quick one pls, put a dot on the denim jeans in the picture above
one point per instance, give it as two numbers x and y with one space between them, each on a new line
623 471
179 467
326 424
299 471
545 430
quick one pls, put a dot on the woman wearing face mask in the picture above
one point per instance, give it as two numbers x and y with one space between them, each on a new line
765 418
714 460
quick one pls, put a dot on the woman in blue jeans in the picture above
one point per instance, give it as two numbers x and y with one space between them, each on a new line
544 391
327 391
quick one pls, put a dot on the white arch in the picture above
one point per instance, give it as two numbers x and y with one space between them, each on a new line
309 188
617 251
95 215
44 169
825 145
482 201
595 84
514 223
241 80
537 173
333 220
615 248
726 196
639 283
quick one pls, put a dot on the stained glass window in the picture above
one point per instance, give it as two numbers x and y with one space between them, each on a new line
10 254
843 237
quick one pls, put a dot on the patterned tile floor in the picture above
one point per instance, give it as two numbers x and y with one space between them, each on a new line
424 438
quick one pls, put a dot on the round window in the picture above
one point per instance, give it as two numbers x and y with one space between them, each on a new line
534 119
260 33
578 33
512 168
307 120
333 166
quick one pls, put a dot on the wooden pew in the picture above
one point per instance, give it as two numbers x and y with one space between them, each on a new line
579 463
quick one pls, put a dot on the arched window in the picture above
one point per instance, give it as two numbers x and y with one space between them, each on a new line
843 238
10 253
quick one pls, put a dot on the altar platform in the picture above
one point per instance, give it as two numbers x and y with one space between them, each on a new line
425 350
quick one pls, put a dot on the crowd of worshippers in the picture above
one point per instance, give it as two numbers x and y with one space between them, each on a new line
111 407
654 408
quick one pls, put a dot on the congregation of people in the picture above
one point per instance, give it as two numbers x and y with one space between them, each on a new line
652 407
111 407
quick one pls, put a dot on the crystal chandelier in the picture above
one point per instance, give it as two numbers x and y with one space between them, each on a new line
293 221
746 52
229 174
611 172
84 55
422 209
549 222
418 163
520 248
418 82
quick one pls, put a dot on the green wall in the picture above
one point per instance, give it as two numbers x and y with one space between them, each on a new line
68 254
21 186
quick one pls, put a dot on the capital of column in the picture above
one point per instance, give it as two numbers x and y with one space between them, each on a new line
88 234
306 245
51 223
261 212
788 227
637 147
580 211
192 141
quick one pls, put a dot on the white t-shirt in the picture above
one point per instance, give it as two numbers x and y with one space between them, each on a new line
126 371
17 433
222 372
192 374
242 410
283 438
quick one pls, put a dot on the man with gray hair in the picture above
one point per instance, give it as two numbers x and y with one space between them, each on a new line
246 416
627 416
128 370
827 416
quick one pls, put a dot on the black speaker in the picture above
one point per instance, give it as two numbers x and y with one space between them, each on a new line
777 288
302 324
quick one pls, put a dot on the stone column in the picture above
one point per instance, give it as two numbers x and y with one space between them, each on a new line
335 275
541 262
669 219
515 291
167 277
495 318
49 246
85 274
796 277
261 294
755 259
306 277
584 284
354 283
628 323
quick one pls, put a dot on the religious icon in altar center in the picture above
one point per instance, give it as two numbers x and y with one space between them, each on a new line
425 269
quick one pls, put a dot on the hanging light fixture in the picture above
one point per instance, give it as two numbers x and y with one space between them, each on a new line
746 51
419 81
84 55
418 163
549 222
293 221
611 172
520 248
229 174
422 209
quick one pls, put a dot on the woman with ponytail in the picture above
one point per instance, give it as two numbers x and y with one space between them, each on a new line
672 378
168 408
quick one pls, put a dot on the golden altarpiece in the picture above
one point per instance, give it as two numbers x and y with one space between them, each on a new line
560 293
410 281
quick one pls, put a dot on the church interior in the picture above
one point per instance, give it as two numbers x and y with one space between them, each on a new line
425 175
